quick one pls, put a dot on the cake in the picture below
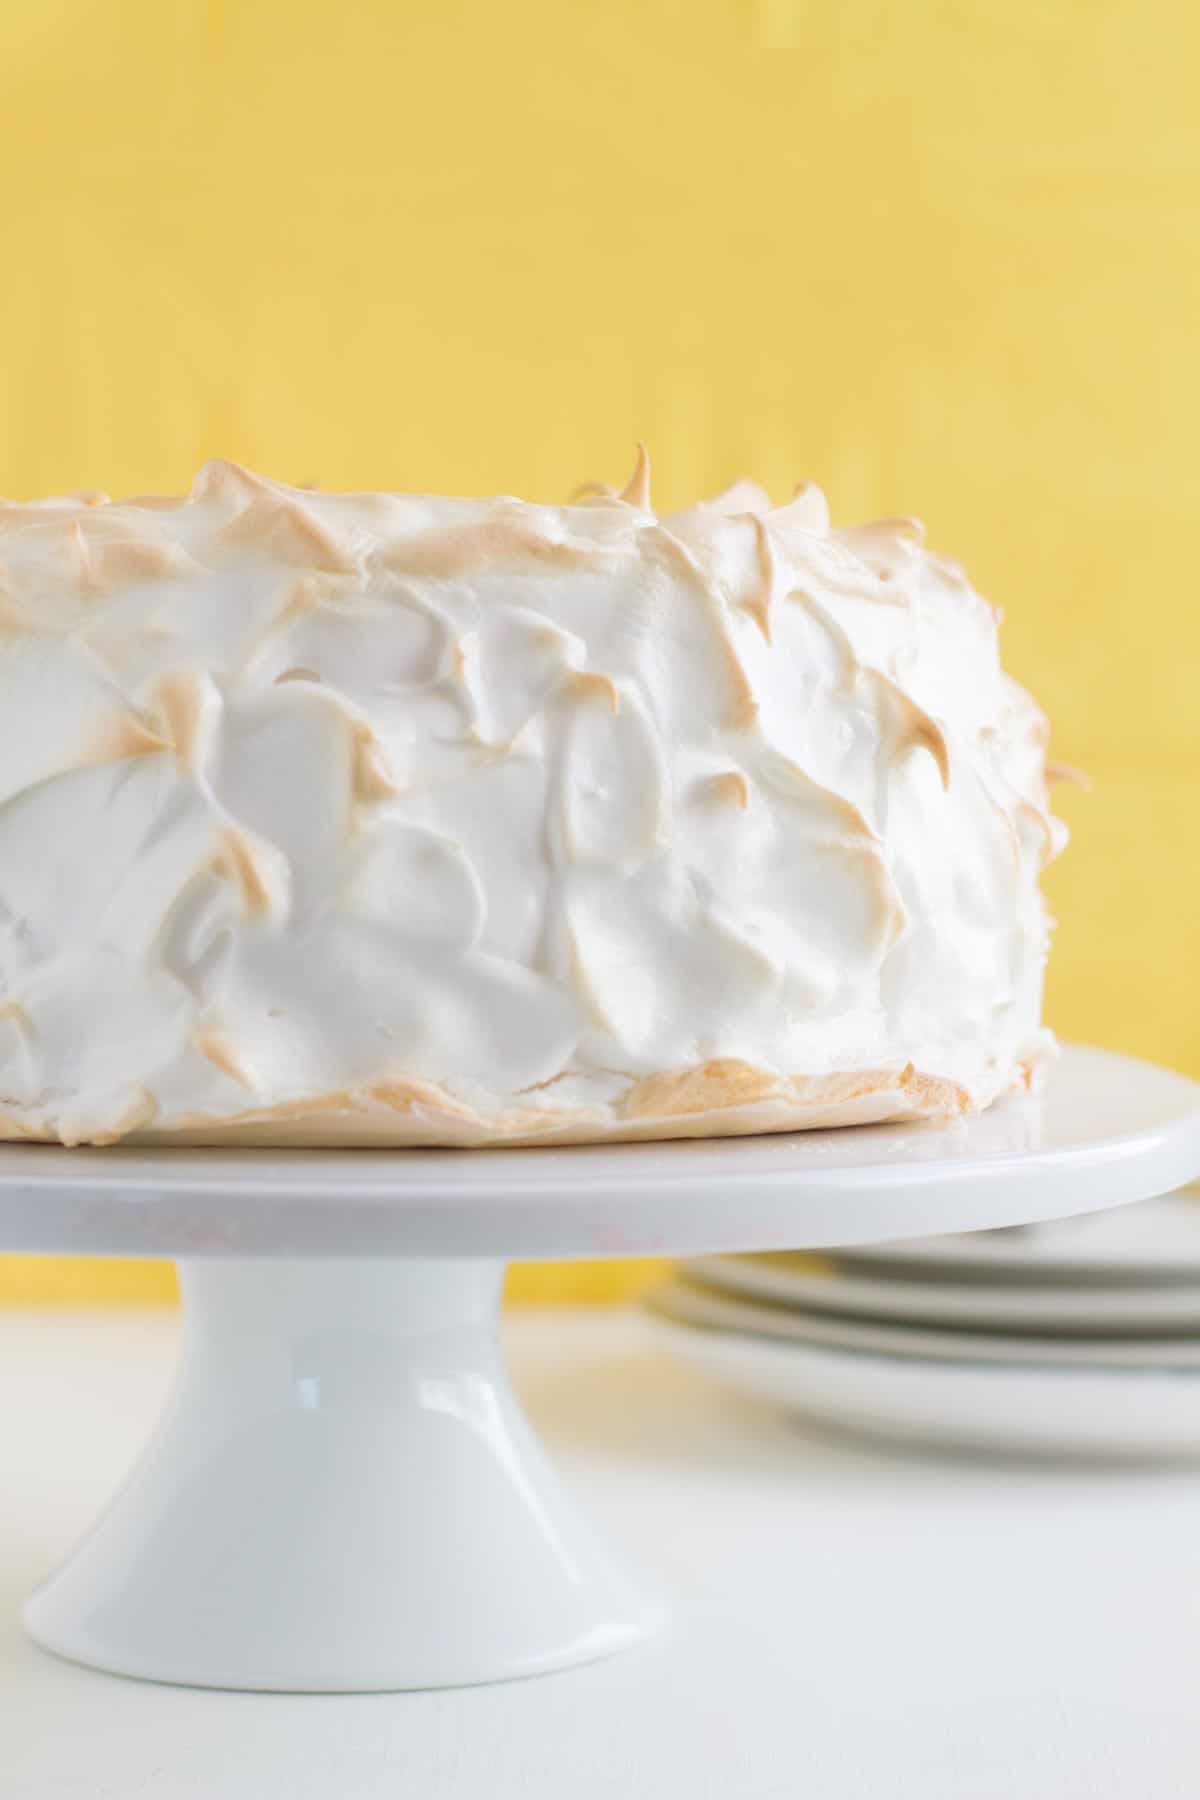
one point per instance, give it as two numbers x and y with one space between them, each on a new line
386 819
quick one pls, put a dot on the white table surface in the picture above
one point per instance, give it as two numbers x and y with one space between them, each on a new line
848 1621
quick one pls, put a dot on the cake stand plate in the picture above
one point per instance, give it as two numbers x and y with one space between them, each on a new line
343 1493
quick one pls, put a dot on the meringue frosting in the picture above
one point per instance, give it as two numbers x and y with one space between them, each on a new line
399 819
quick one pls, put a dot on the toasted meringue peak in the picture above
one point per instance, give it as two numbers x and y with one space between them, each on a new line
373 779
731 785
224 480
591 685
758 604
636 491
807 509
738 498
291 531
237 861
588 491
1067 772
180 698
221 1053
385 818
125 738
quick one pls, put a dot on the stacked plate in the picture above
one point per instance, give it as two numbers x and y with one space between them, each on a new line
1079 1338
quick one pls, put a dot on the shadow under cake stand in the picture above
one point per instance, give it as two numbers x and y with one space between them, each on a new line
343 1493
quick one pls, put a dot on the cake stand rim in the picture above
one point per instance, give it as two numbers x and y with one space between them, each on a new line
585 1201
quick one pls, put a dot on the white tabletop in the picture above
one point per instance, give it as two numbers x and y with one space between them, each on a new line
847 1621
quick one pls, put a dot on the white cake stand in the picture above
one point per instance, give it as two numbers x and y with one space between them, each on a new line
343 1493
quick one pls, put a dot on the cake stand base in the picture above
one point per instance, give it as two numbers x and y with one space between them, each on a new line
343 1495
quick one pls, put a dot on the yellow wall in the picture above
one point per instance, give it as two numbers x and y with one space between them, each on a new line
941 256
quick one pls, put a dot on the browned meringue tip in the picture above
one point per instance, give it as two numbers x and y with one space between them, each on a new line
1067 772
636 491
220 475
592 490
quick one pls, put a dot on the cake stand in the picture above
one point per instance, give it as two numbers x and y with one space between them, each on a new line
343 1493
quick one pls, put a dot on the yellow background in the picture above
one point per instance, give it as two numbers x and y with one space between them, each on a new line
943 258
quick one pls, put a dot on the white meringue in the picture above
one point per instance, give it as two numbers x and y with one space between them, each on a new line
395 819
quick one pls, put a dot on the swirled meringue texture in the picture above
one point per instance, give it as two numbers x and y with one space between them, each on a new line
394 819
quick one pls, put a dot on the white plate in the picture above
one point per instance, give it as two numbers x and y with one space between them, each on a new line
1121 1414
689 1303
948 1294
1157 1240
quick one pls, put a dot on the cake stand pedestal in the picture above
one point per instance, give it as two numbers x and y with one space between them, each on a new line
343 1493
